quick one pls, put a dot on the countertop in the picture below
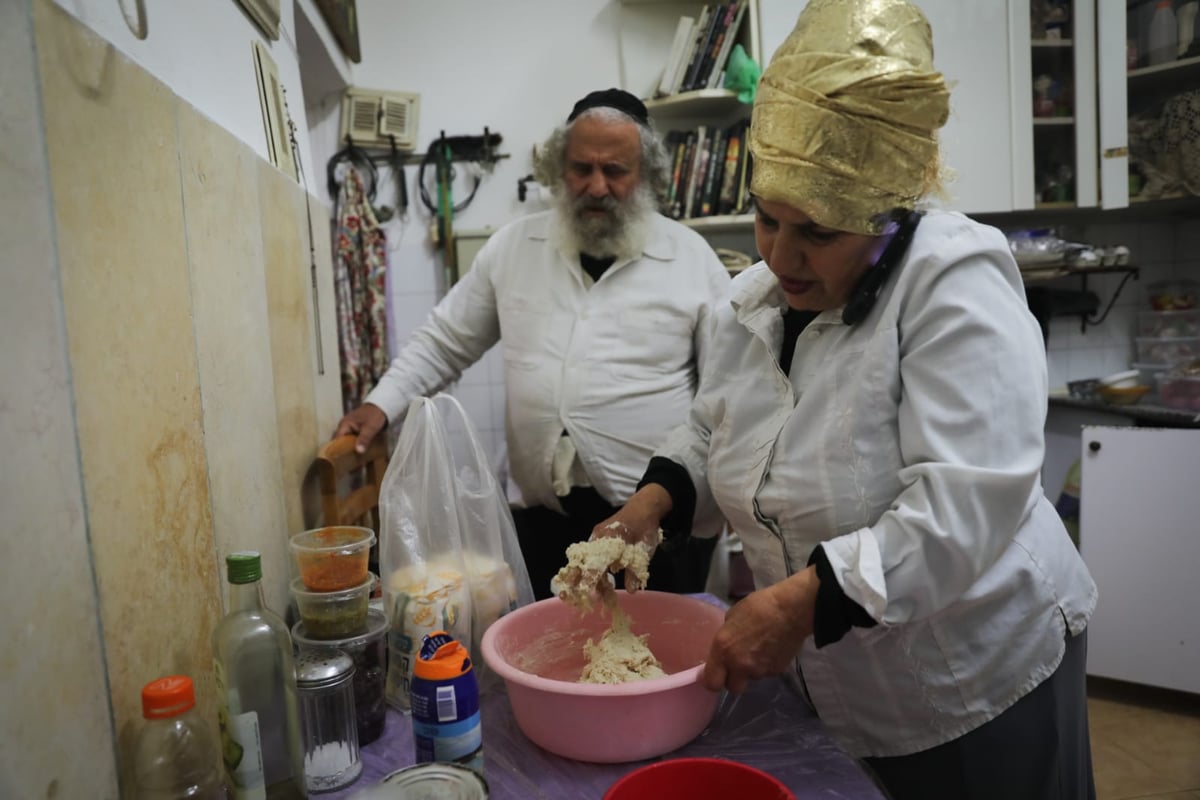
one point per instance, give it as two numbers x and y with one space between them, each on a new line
1144 412
770 728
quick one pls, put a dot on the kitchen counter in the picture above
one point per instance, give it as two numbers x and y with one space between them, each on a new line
1142 413
770 728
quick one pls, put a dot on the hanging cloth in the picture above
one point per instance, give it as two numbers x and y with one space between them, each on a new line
358 276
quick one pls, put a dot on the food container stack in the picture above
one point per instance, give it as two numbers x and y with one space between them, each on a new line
1167 343
332 594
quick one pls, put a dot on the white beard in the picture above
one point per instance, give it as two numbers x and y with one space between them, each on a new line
621 235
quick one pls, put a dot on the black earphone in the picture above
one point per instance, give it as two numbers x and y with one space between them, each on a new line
866 292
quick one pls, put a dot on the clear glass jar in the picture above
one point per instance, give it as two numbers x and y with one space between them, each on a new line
176 755
324 682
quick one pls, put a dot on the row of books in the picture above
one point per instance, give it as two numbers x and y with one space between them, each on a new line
710 171
701 47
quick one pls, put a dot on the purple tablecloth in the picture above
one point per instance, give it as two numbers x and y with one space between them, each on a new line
770 728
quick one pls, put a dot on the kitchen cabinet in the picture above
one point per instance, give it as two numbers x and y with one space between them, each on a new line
1162 57
1140 537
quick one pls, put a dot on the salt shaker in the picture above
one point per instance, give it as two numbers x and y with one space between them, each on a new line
324 683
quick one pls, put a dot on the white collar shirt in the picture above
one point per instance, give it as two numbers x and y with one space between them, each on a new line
612 363
910 446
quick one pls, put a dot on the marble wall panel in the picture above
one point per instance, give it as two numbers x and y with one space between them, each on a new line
293 343
114 168
229 301
55 724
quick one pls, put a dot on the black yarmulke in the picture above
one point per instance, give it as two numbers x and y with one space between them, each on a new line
612 98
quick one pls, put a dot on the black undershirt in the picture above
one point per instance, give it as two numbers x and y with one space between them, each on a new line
835 613
595 266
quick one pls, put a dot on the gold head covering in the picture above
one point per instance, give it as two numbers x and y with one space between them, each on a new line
845 123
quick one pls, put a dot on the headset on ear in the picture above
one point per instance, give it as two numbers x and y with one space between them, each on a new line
866 292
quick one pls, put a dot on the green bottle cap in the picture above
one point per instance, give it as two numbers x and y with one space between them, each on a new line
244 567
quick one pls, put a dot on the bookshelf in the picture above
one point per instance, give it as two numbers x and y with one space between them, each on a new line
703 124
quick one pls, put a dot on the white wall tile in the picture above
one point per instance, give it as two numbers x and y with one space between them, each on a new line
476 375
1156 243
476 400
409 312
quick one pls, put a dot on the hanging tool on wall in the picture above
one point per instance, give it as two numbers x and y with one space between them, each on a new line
312 247
442 154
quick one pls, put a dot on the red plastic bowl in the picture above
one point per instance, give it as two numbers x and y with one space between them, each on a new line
698 779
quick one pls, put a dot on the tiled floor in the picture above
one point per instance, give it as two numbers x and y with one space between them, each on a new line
1145 742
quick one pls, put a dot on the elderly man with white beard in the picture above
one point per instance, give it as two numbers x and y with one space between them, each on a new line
604 308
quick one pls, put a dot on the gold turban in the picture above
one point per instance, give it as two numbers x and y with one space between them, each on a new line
845 123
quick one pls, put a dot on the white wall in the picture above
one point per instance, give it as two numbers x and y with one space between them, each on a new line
202 51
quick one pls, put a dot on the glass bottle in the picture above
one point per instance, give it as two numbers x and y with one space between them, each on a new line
256 691
176 756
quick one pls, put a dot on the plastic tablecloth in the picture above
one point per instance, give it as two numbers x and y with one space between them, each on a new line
769 728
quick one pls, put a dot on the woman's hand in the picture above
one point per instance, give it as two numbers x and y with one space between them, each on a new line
762 633
638 523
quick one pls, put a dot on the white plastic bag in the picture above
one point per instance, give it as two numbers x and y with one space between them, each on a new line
448 552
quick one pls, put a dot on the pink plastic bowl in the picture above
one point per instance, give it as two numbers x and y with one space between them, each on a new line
698 779
538 651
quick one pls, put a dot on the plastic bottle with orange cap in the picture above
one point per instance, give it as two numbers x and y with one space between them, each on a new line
176 755
445 704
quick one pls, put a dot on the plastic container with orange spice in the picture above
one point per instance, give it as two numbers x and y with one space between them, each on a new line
333 558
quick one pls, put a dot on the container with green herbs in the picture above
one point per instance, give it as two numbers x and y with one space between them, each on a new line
334 615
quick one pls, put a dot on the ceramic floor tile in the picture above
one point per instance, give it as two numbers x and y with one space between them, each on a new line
1145 742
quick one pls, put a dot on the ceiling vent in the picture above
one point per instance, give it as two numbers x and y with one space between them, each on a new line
371 118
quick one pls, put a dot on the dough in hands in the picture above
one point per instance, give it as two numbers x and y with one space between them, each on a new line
588 563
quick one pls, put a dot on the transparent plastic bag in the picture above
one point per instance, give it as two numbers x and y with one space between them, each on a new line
448 552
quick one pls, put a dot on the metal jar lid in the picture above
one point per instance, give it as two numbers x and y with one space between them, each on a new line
317 669
436 781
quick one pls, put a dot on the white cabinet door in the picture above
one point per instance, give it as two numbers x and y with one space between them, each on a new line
982 48
1113 112
1140 537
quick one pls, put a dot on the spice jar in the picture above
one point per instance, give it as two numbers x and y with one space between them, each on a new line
324 683
369 653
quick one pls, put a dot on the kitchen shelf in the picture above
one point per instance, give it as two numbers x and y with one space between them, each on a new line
1051 43
1033 273
1179 70
700 103
1141 412
1165 197
1051 121
728 223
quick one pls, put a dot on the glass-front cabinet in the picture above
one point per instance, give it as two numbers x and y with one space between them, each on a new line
1162 63
1113 102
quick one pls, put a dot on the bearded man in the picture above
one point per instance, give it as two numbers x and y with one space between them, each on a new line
605 308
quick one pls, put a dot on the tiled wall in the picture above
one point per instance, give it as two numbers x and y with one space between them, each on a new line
1168 247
